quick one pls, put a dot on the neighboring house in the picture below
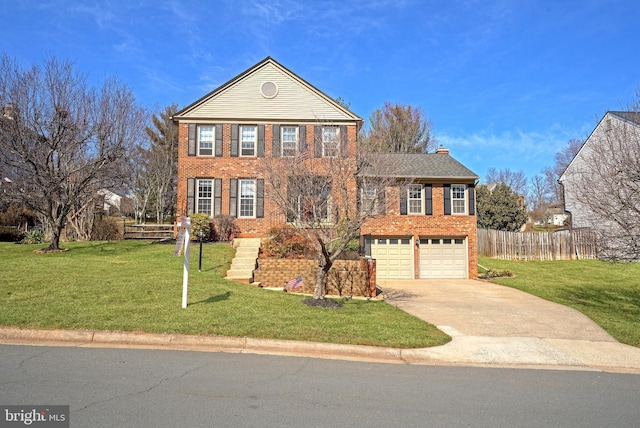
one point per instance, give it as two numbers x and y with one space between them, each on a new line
600 183
554 214
426 230
112 203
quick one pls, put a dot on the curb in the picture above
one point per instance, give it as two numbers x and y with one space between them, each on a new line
434 356
106 339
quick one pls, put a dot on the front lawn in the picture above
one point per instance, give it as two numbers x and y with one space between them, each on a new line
608 293
137 286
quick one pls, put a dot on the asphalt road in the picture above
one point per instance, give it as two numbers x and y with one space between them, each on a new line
154 388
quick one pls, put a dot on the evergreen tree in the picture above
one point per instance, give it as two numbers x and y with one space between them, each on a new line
499 208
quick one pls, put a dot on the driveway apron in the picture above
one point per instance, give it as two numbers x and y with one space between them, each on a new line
493 324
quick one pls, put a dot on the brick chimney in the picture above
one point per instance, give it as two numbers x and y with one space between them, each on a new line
442 150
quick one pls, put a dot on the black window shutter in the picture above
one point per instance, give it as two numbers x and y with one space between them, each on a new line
428 196
191 195
472 200
217 197
260 141
302 137
359 190
218 148
317 139
382 202
260 198
234 140
447 199
344 148
233 197
192 139
403 201
276 148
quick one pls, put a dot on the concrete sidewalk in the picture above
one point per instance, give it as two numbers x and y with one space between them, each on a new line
491 326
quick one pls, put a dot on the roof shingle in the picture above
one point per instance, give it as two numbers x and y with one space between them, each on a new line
420 166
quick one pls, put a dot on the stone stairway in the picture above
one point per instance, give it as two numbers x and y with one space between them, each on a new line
244 262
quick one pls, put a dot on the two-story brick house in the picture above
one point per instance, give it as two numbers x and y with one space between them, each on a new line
269 112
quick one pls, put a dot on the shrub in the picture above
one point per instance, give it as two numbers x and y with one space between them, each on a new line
10 234
34 237
225 226
285 243
105 229
201 224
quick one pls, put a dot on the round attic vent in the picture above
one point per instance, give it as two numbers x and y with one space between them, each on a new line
269 90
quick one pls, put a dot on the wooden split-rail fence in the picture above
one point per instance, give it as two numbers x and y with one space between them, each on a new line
148 231
560 245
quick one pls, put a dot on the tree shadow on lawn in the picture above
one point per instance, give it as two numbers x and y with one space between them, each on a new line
214 299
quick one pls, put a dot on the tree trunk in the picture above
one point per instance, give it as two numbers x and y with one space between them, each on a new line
56 231
321 278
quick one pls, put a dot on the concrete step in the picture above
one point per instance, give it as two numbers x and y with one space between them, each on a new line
247 252
241 242
243 264
244 261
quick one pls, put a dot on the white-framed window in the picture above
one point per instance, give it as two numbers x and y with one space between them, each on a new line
310 199
330 141
369 198
247 207
414 199
204 196
458 199
248 140
206 138
289 138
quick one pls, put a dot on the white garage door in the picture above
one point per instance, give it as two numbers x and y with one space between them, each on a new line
443 258
394 258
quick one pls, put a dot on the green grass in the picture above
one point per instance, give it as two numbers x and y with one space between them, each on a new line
608 293
137 286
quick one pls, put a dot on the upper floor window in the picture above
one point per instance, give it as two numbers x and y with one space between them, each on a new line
415 199
458 199
248 140
247 206
206 137
369 199
204 196
330 141
289 140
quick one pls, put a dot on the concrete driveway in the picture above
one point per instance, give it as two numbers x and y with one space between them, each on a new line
492 324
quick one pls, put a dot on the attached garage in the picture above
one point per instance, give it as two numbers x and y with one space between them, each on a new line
394 257
443 258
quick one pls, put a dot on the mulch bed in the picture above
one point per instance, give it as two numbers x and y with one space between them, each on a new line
322 303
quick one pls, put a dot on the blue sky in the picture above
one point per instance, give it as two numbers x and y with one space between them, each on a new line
505 83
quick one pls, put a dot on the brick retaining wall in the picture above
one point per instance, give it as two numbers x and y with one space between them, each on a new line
346 277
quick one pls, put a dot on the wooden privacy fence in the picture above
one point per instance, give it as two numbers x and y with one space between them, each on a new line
561 245
148 231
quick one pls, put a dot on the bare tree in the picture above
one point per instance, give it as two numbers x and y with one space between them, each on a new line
161 161
327 200
64 140
399 129
562 159
602 185
516 180
540 195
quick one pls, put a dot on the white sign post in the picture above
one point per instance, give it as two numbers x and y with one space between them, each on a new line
183 242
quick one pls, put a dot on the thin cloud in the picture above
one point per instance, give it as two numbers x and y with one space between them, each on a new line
529 151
